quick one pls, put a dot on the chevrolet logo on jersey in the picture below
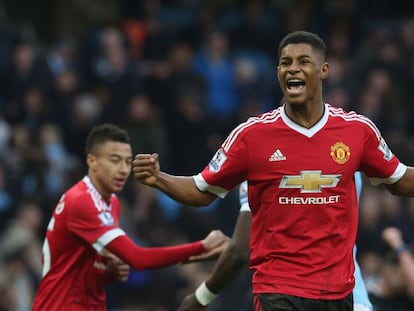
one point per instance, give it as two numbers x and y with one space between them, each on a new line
309 181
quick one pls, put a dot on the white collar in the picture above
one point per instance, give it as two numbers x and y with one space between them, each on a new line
308 132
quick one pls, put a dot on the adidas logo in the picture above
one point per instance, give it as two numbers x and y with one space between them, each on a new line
277 156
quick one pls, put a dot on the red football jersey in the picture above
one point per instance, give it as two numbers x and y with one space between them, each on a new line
302 195
74 273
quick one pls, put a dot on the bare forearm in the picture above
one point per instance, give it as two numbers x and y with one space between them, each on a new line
227 268
234 258
146 169
183 189
405 186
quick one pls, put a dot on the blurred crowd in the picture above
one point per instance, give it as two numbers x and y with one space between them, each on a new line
179 75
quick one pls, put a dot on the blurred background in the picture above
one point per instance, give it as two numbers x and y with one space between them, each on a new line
179 75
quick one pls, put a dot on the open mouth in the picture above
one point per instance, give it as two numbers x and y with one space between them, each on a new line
295 85
120 182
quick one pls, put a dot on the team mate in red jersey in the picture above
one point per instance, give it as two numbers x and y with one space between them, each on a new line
299 161
84 247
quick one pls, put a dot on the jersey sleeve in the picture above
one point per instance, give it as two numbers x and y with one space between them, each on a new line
153 257
95 226
378 162
228 167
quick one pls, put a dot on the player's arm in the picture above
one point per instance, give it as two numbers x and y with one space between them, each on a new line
230 263
141 258
404 186
213 254
146 169
234 257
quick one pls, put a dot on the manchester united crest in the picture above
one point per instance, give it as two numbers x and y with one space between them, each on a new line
340 153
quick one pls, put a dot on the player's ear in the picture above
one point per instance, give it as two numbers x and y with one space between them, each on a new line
324 70
91 161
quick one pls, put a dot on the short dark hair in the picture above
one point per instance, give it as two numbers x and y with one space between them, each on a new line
305 37
106 132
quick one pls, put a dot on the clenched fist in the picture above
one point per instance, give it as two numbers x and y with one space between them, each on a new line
146 168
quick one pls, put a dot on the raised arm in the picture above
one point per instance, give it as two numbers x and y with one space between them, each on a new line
146 169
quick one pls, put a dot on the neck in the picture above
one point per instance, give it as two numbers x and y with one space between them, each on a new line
106 196
305 115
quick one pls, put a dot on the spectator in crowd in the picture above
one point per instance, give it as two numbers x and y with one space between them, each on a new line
20 257
394 290
215 64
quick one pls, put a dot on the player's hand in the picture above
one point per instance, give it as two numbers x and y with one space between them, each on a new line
116 267
190 303
213 254
393 237
215 239
146 168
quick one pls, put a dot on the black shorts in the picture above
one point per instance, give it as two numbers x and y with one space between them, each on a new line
279 302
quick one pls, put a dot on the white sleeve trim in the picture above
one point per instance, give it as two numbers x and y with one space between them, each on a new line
106 238
203 186
396 176
245 207
243 197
